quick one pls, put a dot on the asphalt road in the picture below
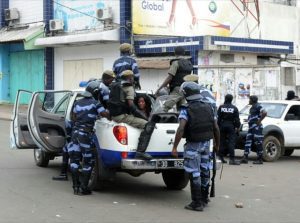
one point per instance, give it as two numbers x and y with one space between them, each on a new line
269 193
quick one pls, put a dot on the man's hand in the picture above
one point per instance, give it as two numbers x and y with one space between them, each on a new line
174 152
258 122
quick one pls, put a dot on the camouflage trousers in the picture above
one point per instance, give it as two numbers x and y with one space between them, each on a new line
254 136
196 162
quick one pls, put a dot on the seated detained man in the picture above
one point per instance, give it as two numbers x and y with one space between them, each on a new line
122 109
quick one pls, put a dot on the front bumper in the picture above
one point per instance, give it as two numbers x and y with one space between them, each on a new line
157 164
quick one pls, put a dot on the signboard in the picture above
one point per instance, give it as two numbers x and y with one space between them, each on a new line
181 17
80 15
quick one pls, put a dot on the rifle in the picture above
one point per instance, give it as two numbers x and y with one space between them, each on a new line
212 188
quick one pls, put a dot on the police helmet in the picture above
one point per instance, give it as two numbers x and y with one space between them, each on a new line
125 47
191 91
91 90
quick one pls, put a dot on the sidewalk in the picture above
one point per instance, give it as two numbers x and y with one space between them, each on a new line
6 111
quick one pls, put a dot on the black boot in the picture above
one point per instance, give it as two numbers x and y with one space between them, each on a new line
232 161
76 182
144 140
205 193
196 204
84 182
244 159
258 161
63 176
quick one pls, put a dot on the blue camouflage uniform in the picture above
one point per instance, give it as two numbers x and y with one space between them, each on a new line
80 147
125 62
254 135
104 93
196 157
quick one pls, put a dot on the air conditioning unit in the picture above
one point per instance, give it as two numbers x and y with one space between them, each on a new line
105 13
11 14
56 25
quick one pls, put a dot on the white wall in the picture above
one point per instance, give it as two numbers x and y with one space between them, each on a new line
151 79
109 53
30 10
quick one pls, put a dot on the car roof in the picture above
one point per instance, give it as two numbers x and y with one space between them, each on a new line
288 102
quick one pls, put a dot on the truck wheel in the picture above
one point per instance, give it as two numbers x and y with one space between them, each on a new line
288 152
271 149
100 175
41 158
175 179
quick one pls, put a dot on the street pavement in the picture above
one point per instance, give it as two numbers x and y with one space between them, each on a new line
269 193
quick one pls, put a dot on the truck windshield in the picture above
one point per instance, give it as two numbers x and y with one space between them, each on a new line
274 110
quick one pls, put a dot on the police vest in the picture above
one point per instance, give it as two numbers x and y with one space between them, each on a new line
116 104
200 122
185 67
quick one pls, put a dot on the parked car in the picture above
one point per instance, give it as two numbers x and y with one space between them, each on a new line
42 127
281 128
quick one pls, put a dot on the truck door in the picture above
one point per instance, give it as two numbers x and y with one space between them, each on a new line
46 119
20 137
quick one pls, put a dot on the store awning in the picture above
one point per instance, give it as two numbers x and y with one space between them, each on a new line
79 39
160 63
20 34
27 35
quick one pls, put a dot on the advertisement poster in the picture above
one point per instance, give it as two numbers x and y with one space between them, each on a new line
181 17
244 85
79 15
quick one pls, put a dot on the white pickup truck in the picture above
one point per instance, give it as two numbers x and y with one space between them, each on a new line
41 126
281 128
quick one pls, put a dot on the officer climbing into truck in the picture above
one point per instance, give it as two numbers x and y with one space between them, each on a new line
179 68
84 115
198 125
108 77
126 62
122 109
255 136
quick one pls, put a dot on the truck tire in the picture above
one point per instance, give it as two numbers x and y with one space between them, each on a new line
175 179
271 149
100 175
41 158
288 152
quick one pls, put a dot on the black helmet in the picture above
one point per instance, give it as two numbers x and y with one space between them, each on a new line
91 89
253 99
191 91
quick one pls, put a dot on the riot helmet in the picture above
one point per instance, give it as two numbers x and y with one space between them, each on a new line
191 91
91 90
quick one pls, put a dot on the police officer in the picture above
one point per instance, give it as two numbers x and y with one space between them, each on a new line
197 123
180 67
84 115
126 62
229 124
122 109
255 136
